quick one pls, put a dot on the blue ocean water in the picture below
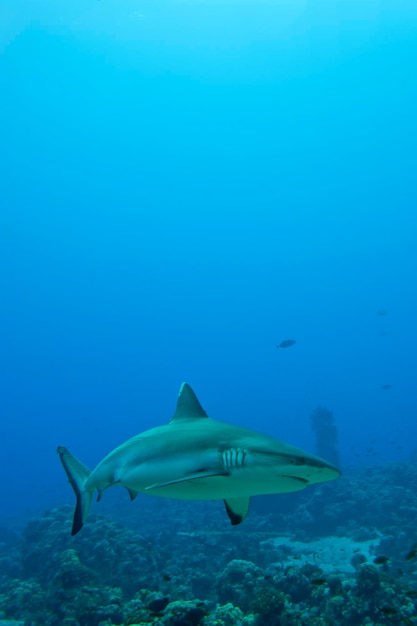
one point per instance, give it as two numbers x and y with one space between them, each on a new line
184 185
223 193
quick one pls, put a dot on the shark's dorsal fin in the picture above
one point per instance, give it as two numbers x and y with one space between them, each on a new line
188 405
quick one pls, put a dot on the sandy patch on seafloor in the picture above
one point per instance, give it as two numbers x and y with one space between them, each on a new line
331 554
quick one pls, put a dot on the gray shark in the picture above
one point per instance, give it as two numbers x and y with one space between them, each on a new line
194 457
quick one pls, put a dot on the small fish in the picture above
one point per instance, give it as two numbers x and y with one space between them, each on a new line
412 553
386 386
158 605
166 577
381 560
411 592
317 582
287 343
268 577
382 312
388 610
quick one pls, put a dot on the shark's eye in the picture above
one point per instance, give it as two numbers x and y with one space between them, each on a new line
298 460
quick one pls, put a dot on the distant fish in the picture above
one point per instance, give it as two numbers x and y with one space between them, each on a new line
386 386
381 560
384 333
287 343
388 610
158 605
382 312
412 553
317 582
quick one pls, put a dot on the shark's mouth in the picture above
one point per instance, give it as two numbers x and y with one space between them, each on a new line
301 480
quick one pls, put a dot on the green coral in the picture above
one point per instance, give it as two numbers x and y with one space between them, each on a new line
268 602
26 600
229 615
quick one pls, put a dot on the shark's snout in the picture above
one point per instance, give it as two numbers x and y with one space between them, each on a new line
311 469
319 471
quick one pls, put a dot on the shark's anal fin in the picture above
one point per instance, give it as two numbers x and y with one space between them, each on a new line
237 509
132 494
183 479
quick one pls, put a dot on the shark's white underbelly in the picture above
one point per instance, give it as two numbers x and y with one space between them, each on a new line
240 483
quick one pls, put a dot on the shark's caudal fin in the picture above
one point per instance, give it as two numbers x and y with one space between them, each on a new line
77 475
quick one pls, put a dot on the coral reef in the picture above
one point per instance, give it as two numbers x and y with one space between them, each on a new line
330 556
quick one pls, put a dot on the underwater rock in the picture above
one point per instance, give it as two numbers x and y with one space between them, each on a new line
72 572
325 429
368 580
358 560
334 583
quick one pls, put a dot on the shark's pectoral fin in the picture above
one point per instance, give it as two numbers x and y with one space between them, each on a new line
188 477
237 509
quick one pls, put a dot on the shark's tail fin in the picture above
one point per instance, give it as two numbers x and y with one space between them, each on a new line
77 475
